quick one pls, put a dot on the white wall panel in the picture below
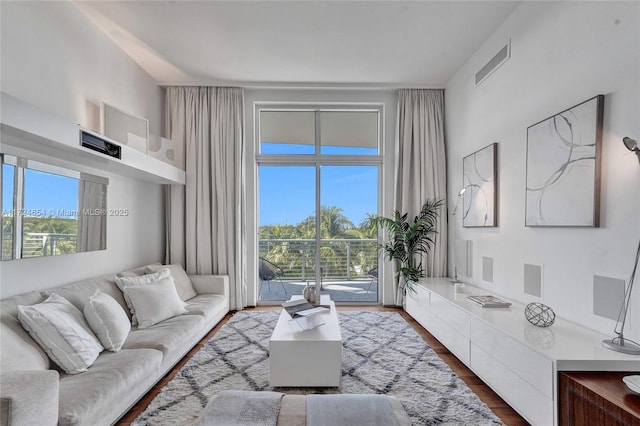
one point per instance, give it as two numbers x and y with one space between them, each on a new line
563 53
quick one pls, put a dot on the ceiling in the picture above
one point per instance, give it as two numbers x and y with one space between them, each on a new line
299 43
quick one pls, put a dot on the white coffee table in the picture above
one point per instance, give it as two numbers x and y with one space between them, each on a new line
309 358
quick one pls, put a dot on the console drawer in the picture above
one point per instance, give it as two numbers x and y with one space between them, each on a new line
417 305
524 398
451 315
522 360
420 296
454 341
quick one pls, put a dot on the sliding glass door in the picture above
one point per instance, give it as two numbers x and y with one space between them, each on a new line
348 197
286 234
313 161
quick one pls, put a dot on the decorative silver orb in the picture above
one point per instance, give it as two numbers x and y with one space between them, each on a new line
539 314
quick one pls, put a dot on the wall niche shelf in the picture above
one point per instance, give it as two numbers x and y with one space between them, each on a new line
25 127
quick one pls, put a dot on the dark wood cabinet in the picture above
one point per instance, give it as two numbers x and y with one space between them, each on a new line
597 399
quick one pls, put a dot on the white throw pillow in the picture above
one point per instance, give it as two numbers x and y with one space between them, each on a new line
62 332
139 280
180 279
108 320
155 302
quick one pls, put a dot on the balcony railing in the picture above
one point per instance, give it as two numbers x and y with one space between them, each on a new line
340 259
37 244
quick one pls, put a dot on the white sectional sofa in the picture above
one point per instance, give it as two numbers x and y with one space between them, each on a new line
34 391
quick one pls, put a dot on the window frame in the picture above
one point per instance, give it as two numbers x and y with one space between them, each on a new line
318 159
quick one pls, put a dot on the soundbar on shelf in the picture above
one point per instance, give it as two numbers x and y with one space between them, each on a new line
96 143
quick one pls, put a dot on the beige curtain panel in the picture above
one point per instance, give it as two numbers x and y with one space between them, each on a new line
92 229
205 219
420 169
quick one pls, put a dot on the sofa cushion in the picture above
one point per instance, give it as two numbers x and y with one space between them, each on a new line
18 350
208 305
180 279
29 397
79 292
112 384
173 336
155 302
138 280
108 320
62 332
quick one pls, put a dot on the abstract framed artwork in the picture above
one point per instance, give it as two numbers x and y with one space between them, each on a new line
480 199
563 167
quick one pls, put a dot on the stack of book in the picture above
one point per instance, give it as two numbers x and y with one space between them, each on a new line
489 301
302 308
304 315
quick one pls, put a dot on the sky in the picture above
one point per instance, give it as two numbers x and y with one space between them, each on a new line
287 193
45 194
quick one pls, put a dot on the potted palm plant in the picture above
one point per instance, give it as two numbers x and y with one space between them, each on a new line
408 241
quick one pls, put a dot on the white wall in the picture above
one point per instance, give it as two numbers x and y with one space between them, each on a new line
388 98
53 58
562 54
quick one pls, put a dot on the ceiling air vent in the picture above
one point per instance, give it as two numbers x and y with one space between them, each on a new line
494 63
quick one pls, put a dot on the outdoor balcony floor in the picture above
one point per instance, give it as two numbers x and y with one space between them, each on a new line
362 290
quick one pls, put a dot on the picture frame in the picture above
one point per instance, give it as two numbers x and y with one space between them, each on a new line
480 180
563 167
125 128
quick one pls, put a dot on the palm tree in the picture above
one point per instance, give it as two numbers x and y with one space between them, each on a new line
278 231
364 254
333 224
286 254
368 227
50 225
7 237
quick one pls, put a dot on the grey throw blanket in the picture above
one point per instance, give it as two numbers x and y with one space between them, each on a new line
242 408
349 410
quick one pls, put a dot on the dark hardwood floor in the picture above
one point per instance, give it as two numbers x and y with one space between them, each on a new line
507 414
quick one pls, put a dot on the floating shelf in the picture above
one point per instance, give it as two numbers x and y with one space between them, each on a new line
30 128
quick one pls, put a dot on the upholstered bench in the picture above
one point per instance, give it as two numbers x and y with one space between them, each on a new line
244 408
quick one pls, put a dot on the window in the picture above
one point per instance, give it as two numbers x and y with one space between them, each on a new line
323 160
50 218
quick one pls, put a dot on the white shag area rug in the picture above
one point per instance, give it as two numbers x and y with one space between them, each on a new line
381 354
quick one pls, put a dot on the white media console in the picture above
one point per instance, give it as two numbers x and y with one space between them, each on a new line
518 360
